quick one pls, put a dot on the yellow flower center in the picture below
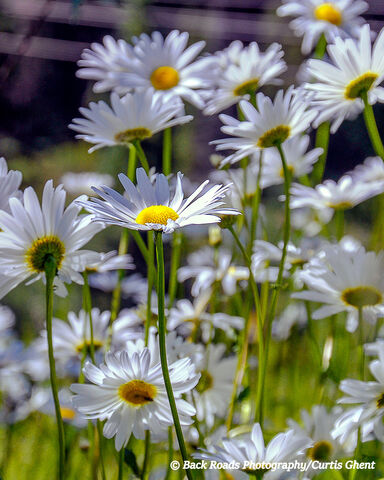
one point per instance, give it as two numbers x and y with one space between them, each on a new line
320 451
156 214
164 78
205 382
87 345
128 136
41 249
137 392
328 13
380 401
360 85
360 297
67 413
248 87
274 137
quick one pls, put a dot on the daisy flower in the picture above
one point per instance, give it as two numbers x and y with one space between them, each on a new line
337 18
186 316
30 232
9 184
206 272
330 195
68 414
371 171
356 71
251 70
299 161
71 338
167 65
270 125
135 116
251 448
149 206
213 392
369 396
243 183
130 393
318 425
345 281
105 262
81 183
7 320
102 62
294 314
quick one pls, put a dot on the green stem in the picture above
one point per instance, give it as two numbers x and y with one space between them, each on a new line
371 125
255 206
256 298
150 275
141 155
162 345
278 285
144 471
167 151
50 268
170 453
88 311
321 47
322 141
121 464
175 262
361 338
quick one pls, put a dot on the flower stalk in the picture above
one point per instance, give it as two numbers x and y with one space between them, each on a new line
162 345
50 268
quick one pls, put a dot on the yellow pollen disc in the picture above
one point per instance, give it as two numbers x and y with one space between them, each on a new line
67 413
328 13
41 249
250 86
320 451
87 345
360 297
274 137
205 382
164 78
380 401
360 85
156 214
128 136
137 392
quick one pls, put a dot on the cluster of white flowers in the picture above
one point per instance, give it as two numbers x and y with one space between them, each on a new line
197 358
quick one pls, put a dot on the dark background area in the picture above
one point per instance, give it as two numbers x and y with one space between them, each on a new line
41 41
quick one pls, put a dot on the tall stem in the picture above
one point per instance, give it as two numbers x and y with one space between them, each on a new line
371 125
361 338
167 151
244 347
322 141
50 267
175 262
88 311
162 345
141 155
278 285
150 275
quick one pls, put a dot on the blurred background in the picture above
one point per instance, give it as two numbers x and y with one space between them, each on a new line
41 41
